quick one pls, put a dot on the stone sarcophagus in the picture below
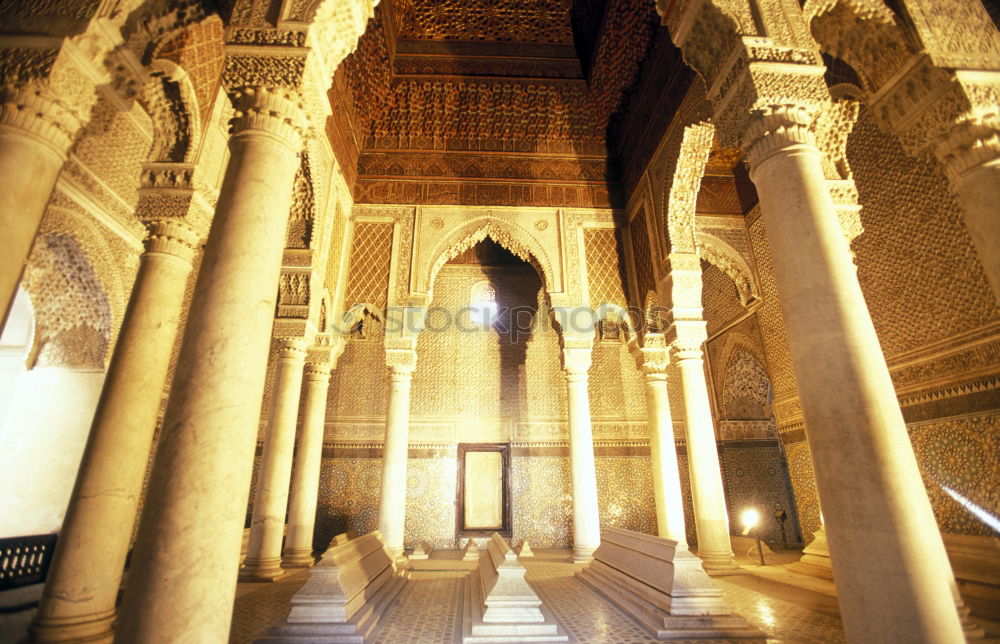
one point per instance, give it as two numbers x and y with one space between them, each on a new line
663 586
499 604
348 591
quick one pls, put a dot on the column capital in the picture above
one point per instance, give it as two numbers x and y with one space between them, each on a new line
327 348
272 111
688 349
684 284
654 365
653 357
317 371
35 110
171 237
576 362
292 349
775 128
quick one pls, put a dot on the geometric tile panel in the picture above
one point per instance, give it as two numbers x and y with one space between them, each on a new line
368 278
757 477
962 454
643 256
605 271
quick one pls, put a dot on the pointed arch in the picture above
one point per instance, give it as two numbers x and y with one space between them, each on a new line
511 236
727 259
170 99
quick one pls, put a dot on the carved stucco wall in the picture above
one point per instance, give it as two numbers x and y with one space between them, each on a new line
935 319
917 268
719 297
481 387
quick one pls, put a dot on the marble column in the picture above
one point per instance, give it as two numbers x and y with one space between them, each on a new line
970 152
36 132
267 525
586 516
78 602
305 478
392 503
884 541
182 581
711 518
663 454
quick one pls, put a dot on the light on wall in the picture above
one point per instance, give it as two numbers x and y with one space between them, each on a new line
750 519
483 304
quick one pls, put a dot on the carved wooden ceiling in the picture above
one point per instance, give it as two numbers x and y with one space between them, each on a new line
504 102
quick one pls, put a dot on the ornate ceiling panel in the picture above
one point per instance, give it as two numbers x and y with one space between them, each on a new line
465 79
533 21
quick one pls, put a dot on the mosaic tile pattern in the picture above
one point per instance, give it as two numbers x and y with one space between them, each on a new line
963 454
757 477
781 619
585 615
625 493
430 501
348 497
540 487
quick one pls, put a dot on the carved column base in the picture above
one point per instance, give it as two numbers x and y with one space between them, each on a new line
256 570
298 558
95 630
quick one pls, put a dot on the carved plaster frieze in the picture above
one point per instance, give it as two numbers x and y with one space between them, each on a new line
167 192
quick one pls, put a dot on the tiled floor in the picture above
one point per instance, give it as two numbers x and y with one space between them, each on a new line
428 609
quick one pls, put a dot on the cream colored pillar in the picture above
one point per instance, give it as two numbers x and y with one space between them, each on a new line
305 478
711 518
392 503
884 541
586 517
971 155
184 565
267 525
36 131
78 602
663 453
